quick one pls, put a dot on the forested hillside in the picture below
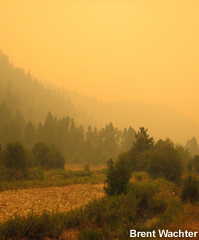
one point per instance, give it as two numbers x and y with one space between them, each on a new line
162 120
78 145
21 92
31 113
85 129
35 99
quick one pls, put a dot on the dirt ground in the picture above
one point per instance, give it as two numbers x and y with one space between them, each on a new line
23 201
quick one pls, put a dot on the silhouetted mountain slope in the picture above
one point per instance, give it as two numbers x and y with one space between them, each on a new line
20 91
161 120
35 99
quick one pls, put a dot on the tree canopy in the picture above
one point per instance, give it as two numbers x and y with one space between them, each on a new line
143 141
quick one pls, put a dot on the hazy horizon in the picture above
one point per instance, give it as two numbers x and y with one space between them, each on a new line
145 51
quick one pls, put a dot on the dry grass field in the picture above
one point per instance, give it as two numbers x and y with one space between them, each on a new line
79 167
157 198
62 199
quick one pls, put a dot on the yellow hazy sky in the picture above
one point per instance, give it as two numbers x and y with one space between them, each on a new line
146 50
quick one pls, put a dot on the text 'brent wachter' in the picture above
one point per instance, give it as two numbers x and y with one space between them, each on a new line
163 233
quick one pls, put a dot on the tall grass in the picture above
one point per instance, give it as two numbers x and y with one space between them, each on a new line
53 178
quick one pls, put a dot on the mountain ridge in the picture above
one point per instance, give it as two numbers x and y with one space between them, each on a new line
35 98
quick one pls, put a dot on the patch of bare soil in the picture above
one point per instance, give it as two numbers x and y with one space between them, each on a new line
24 201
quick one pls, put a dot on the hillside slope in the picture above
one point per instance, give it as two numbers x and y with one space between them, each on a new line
20 91
35 99
161 120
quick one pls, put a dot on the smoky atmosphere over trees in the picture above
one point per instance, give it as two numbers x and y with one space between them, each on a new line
22 118
99 120
31 112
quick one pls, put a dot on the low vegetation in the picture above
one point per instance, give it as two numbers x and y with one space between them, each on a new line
36 177
152 186
118 176
146 205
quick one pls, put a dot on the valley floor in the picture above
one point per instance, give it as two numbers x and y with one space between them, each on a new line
24 201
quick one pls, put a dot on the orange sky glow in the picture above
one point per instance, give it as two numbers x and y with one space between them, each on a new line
115 49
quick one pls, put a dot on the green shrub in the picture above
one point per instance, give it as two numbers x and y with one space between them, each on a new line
87 167
14 156
190 190
108 218
9 174
32 227
118 176
174 208
47 156
103 170
166 163
91 234
195 163
81 173
138 175
143 193
158 204
35 174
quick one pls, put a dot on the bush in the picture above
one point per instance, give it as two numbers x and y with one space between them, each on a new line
11 174
195 163
118 176
166 163
143 192
32 226
87 167
173 211
110 217
35 174
14 156
40 152
47 156
190 191
56 159
91 234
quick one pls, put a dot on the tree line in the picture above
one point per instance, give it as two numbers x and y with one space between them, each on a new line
161 159
77 145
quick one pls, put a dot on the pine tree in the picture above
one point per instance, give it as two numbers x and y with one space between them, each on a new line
142 140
